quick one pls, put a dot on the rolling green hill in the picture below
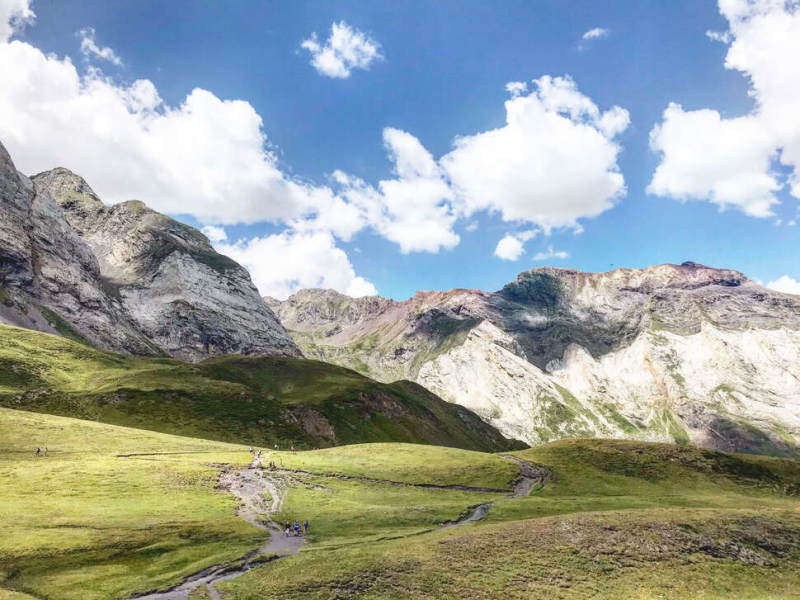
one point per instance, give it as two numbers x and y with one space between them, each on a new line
250 400
113 511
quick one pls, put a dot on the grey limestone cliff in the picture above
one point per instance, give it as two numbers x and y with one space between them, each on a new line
123 277
672 352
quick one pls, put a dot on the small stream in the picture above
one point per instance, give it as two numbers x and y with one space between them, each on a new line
249 485
530 475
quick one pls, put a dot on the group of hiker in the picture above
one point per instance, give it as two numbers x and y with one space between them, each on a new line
39 451
257 456
296 527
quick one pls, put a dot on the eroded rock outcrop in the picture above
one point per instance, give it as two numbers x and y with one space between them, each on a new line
50 279
181 294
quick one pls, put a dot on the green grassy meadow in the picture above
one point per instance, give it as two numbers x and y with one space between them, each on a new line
616 519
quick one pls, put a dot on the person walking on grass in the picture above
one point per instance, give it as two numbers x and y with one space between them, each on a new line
296 528
286 530
38 450
305 527
45 450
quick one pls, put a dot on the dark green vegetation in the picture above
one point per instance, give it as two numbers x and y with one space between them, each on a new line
536 288
250 400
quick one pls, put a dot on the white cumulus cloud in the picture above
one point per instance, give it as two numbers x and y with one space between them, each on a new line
346 49
215 234
415 210
517 88
550 253
512 245
554 161
731 161
14 16
90 48
206 156
785 284
283 263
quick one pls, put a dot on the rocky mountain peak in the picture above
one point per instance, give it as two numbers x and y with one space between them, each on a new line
122 277
66 187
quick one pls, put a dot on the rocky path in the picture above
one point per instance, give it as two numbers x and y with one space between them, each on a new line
249 487
261 494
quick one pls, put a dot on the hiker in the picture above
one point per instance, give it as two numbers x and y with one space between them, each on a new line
276 447
305 526
38 450
251 449
259 454
296 528
292 449
286 530
45 450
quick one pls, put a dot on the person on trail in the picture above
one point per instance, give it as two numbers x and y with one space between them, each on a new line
38 450
292 449
296 528
251 449
286 530
45 451
305 527
259 454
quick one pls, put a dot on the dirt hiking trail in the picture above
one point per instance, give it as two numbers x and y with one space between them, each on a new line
261 494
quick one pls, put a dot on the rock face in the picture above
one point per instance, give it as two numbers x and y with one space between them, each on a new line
681 353
122 278
49 277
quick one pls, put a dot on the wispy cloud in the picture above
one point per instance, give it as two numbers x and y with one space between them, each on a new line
90 48
560 254
588 37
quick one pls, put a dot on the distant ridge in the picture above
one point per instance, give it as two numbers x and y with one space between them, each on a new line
684 353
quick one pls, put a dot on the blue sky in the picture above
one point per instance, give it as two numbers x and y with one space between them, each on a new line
441 73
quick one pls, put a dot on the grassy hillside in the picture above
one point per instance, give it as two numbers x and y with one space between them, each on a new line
614 520
83 523
252 400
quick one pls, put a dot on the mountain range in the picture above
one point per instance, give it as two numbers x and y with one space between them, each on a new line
679 353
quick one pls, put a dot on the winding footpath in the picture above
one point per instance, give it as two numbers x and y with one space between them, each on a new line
249 487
